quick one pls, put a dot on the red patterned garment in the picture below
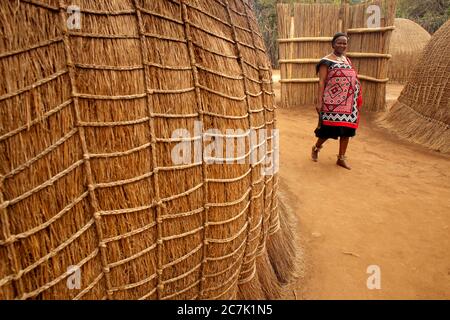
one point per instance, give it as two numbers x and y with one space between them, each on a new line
342 95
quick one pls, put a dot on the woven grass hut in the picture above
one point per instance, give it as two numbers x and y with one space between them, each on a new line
422 112
407 43
92 205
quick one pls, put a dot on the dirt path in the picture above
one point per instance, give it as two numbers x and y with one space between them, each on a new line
392 210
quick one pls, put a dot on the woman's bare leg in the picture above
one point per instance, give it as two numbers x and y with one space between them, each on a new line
316 148
320 142
343 144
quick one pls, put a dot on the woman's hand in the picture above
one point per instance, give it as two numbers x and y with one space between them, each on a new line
318 107
323 72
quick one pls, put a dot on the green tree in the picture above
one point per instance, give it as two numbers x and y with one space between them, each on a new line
430 14
266 12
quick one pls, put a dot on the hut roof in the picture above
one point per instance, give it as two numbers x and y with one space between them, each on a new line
408 36
407 42
422 112
88 182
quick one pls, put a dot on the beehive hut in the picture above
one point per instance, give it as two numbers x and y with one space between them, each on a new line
407 43
93 203
422 112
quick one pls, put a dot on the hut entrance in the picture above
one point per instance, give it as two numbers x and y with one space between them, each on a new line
305 32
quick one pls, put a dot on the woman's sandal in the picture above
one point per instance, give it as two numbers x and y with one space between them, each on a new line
315 153
341 162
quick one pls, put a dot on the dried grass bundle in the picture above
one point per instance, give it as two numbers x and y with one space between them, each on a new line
407 43
86 175
422 112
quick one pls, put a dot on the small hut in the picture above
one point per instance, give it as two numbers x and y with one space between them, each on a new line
92 203
422 112
407 43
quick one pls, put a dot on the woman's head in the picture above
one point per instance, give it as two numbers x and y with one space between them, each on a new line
339 42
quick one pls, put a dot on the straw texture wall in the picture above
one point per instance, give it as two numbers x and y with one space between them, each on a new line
407 42
422 112
308 39
86 177
298 59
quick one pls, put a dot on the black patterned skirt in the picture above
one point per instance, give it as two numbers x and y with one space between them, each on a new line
333 132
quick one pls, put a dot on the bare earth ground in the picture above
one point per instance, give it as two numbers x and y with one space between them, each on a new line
392 210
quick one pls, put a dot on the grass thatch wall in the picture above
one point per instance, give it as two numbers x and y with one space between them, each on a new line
407 42
86 177
298 78
422 112
308 39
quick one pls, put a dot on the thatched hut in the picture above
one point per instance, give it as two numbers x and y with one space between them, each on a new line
92 205
422 112
407 43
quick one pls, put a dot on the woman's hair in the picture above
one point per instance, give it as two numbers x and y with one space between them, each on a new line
337 35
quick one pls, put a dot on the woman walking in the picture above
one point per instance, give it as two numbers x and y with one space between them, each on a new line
339 100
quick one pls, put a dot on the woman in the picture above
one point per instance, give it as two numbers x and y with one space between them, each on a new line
339 99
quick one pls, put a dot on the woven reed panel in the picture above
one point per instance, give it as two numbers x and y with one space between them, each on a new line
422 112
317 24
86 122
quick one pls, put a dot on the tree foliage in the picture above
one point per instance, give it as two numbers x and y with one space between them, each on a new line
430 14
266 12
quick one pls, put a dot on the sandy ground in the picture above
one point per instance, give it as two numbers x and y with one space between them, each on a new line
392 211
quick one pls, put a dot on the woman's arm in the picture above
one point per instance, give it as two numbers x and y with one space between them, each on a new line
323 72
